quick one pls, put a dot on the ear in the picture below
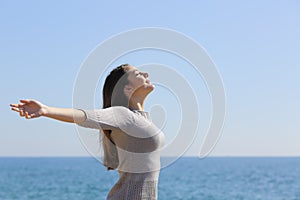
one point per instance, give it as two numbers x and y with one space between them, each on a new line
128 90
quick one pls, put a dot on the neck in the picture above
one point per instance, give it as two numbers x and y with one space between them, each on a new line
137 103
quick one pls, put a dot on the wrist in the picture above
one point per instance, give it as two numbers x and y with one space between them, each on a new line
45 111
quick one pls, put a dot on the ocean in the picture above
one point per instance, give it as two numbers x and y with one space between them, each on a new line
189 178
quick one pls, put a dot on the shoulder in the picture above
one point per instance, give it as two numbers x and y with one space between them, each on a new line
121 115
119 110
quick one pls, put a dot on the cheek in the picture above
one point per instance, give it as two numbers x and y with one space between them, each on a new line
136 82
139 82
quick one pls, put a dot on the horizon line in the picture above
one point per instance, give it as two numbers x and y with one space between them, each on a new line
189 156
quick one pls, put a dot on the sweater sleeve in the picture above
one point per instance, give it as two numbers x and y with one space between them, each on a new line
106 119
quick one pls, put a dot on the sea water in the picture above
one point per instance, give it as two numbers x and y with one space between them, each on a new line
189 178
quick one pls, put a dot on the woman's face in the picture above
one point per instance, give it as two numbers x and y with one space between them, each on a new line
138 81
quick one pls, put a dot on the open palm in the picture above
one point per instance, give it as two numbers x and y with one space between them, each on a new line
29 108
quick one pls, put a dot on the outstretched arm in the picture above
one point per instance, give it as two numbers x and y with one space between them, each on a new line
33 109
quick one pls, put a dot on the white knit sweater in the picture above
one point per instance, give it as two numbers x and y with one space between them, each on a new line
138 143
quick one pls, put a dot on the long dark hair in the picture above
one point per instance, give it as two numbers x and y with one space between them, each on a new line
113 95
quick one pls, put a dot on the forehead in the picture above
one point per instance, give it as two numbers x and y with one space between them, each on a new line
131 69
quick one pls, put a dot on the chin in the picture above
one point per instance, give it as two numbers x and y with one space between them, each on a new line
151 87
144 90
148 89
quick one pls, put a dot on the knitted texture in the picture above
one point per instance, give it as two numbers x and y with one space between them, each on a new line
129 187
138 143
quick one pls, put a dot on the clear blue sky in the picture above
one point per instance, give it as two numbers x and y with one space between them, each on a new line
255 45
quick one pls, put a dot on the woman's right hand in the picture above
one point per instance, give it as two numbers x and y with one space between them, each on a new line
29 108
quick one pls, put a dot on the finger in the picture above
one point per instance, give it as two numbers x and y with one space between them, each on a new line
25 101
27 116
16 109
22 113
17 105
14 105
35 115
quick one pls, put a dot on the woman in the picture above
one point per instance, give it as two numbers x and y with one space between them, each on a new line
131 142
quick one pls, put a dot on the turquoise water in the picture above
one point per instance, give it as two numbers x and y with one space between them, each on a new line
187 179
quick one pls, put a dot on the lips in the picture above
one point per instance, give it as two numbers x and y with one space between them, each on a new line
148 81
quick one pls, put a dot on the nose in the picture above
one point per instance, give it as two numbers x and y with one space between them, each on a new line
145 74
